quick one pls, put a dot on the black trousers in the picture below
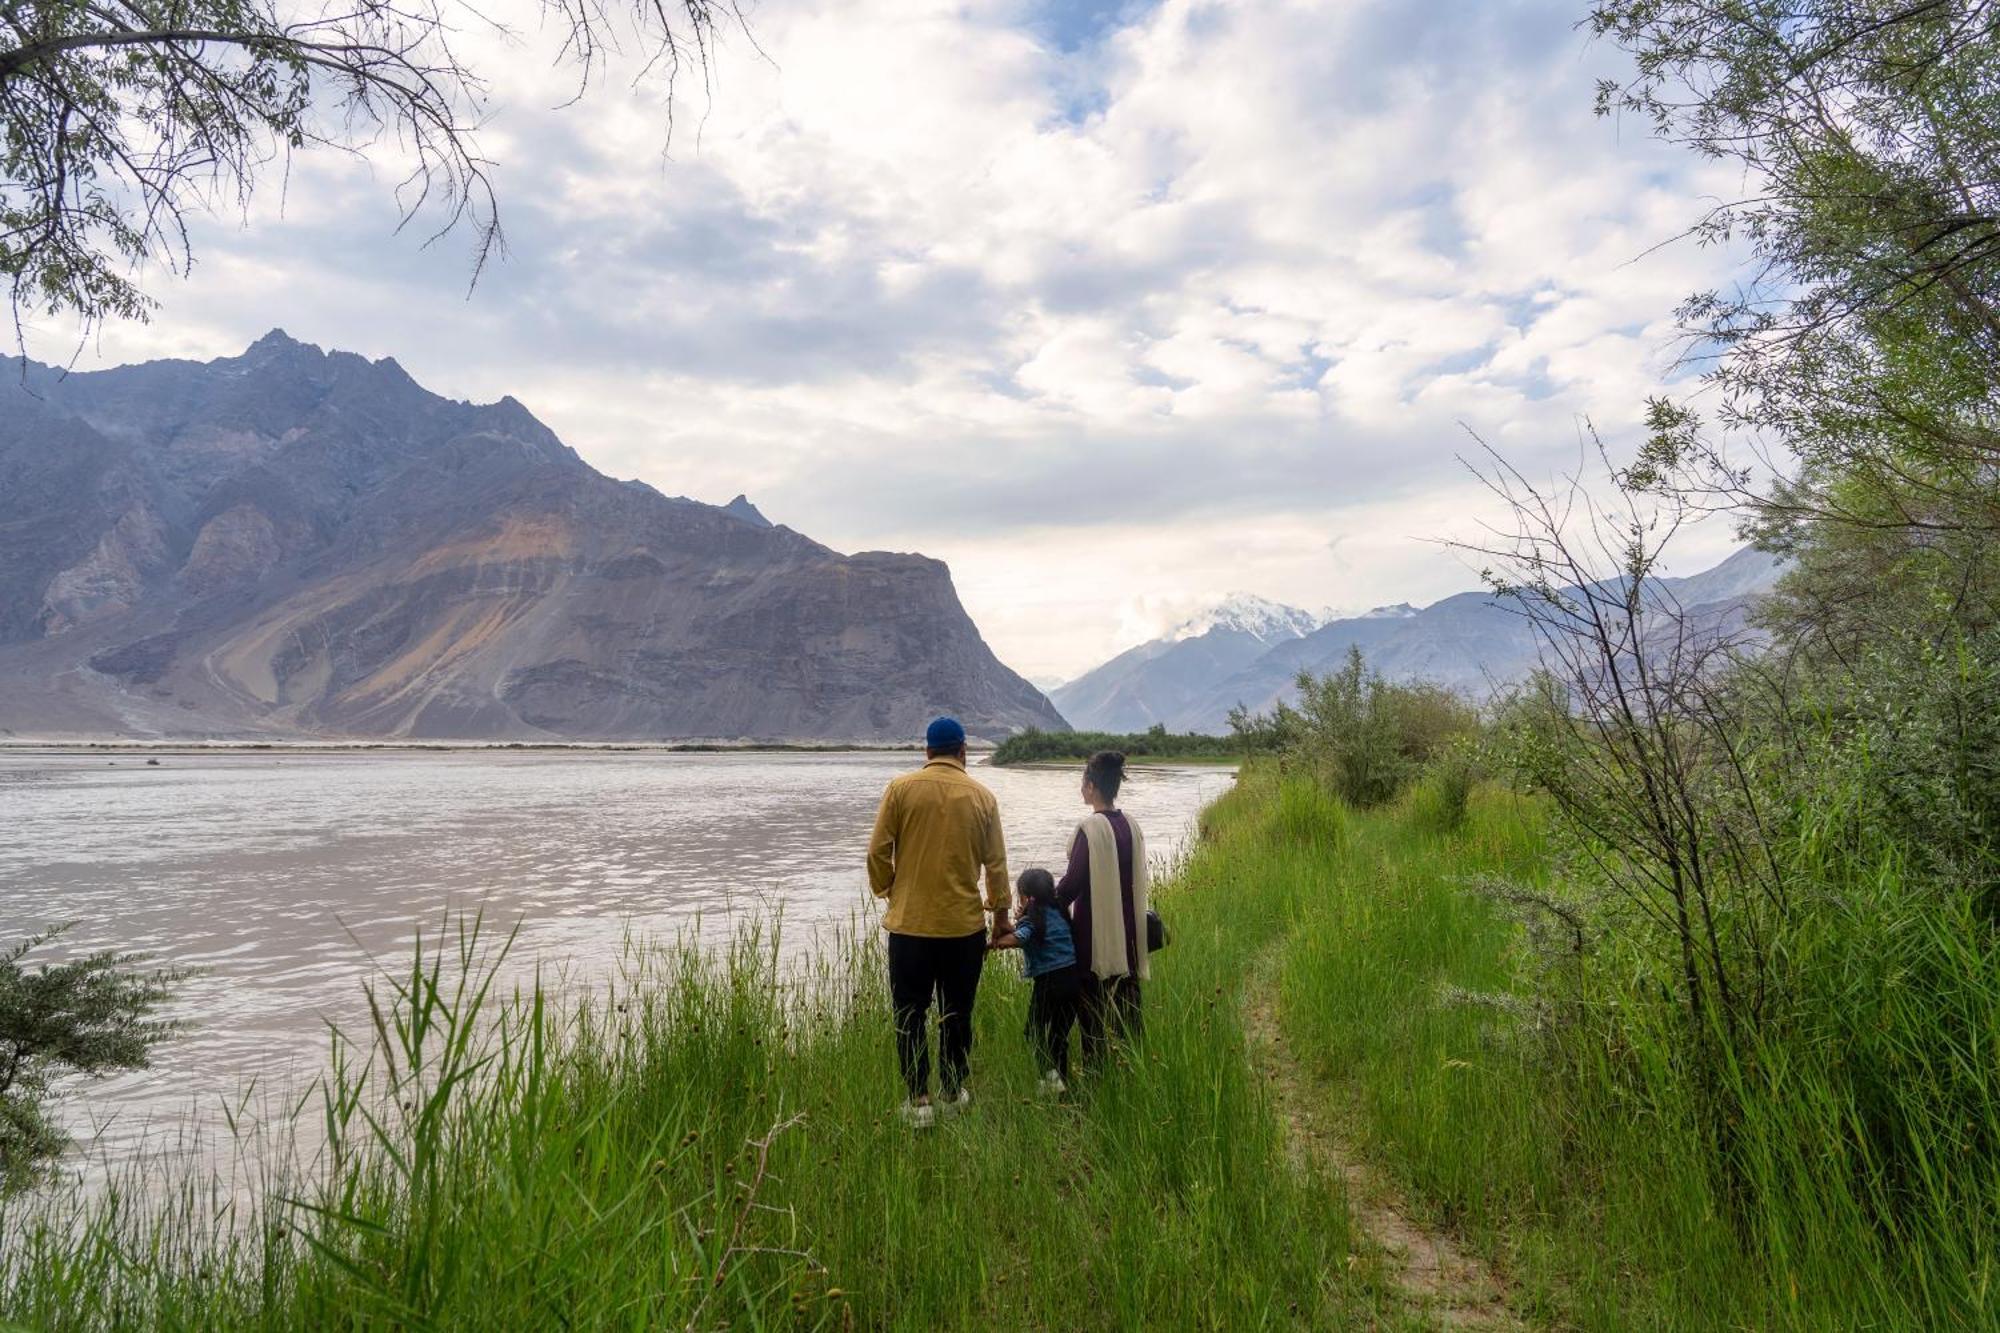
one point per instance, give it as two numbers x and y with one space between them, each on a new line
1107 1011
1052 1012
921 967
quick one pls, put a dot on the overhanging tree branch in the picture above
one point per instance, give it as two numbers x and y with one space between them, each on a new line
120 120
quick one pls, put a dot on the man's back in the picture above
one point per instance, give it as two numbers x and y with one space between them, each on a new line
937 829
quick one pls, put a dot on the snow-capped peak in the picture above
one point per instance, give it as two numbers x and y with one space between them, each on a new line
1246 613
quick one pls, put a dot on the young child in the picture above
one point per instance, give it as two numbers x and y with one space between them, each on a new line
1048 957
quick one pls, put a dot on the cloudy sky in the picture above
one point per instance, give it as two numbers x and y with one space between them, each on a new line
1116 308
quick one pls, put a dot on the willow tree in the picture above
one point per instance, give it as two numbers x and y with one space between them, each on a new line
1859 752
120 120
1861 347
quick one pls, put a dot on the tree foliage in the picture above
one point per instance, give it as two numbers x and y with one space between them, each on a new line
122 119
1864 339
89 1015
1779 832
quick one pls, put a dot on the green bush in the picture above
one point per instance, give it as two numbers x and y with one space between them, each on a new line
1368 739
87 1016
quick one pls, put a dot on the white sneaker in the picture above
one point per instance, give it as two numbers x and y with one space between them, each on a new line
1052 1084
918 1115
953 1105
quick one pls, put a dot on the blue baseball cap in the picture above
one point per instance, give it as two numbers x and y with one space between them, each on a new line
944 734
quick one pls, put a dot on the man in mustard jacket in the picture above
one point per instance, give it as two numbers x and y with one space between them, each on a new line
936 831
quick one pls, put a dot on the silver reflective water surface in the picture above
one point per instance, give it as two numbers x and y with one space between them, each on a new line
288 878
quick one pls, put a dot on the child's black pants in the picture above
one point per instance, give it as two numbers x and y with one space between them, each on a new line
1052 1012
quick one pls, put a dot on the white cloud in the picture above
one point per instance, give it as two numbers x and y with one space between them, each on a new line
1111 325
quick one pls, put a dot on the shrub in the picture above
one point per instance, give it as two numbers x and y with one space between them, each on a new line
1368 739
91 1015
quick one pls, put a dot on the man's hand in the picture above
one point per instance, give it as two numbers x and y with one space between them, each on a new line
1001 926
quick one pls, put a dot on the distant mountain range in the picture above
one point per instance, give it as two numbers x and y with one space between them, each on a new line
1164 680
294 543
1249 651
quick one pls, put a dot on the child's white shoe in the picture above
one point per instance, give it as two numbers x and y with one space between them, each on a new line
958 1102
1052 1084
918 1115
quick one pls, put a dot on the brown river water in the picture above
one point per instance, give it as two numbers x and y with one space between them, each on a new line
288 878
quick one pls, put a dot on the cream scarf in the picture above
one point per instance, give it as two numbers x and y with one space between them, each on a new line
1107 905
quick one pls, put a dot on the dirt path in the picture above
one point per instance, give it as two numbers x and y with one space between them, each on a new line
1455 1289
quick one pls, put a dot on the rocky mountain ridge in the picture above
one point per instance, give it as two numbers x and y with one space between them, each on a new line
1250 614
1468 642
1156 681
295 543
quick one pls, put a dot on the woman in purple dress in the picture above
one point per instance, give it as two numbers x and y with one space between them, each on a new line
1104 889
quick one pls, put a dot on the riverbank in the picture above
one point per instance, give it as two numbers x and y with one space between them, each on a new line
701 1150
1342 1012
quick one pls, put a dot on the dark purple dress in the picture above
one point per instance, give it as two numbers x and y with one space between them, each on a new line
1073 892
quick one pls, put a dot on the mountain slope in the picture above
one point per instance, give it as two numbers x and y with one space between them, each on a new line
1467 642
297 543
1158 681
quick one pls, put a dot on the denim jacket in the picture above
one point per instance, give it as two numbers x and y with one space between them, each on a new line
1050 949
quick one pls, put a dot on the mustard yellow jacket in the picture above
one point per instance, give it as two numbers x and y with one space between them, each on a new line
936 830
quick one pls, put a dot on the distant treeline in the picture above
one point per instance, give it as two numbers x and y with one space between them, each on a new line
1031 746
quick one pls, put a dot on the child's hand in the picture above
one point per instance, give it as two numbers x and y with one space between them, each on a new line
1006 941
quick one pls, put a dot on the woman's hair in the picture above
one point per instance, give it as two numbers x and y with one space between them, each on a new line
1106 771
1037 886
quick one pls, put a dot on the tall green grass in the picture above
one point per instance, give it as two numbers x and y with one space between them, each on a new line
1533 1097
712 1142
